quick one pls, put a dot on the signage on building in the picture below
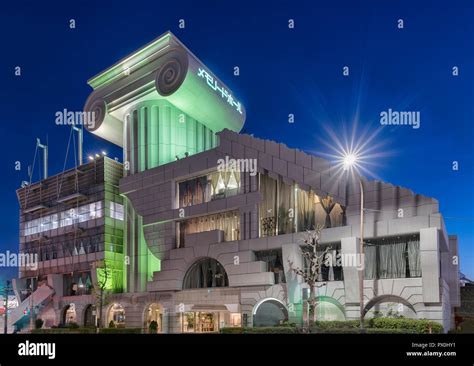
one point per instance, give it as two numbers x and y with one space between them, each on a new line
214 85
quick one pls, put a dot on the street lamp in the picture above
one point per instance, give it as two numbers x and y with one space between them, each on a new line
6 291
349 161
29 291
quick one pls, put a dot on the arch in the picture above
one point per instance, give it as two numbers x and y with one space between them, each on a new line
388 299
116 314
269 312
68 314
328 308
205 273
153 312
89 317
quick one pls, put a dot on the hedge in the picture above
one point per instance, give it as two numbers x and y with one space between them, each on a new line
87 331
120 330
64 331
372 326
358 331
415 325
261 330
338 324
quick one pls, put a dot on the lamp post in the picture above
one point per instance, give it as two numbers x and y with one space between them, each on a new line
6 290
349 161
29 291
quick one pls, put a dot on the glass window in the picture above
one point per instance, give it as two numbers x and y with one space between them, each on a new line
209 187
205 273
229 222
69 217
273 259
286 208
392 257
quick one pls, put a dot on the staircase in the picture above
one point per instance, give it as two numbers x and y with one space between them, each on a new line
41 296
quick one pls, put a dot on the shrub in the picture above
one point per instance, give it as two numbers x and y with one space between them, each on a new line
39 323
261 330
286 323
409 325
378 325
120 330
64 331
337 324
231 330
153 327
112 324
72 325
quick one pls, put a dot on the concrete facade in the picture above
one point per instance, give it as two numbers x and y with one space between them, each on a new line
431 296
214 251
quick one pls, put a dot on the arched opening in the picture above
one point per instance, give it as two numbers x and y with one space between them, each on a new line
205 273
69 314
328 309
389 306
269 313
154 318
116 316
89 316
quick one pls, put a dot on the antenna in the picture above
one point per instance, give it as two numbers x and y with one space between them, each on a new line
45 157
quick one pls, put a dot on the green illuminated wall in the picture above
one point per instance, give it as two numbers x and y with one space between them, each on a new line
157 132
142 262
113 239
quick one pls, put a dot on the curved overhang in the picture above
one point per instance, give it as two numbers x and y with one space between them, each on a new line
163 69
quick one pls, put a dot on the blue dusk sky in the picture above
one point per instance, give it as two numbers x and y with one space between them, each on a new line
283 71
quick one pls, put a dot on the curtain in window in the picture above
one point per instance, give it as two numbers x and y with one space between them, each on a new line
327 204
384 260
393 258
337 266
233 183
286 208
326 266
267 208
370 262
413 249
305 211
398 260
337 215
229 222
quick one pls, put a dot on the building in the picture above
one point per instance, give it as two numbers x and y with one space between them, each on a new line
71 222
211 220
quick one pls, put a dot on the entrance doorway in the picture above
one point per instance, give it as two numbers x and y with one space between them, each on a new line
201 322
69 314
154 318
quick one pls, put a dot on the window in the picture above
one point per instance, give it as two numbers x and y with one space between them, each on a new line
286 208
205 273
269 313
77 284
63 219
331 263
392 257
273 259
229 222
209 187
116 210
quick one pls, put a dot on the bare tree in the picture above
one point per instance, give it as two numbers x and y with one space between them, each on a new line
311 273
103 275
